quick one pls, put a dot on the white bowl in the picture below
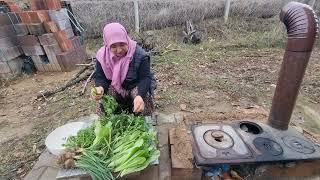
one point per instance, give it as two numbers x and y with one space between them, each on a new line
59 136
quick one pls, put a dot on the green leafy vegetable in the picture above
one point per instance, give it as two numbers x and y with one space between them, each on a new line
119 143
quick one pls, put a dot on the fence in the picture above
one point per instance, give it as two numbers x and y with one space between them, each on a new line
155 14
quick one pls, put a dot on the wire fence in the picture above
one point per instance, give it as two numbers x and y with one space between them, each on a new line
156 14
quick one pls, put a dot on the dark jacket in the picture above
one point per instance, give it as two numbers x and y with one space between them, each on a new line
139 74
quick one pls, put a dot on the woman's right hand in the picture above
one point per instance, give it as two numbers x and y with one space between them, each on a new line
97 93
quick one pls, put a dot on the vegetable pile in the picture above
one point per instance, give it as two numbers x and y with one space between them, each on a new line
116 145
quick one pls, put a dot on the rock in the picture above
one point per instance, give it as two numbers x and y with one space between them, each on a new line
183 107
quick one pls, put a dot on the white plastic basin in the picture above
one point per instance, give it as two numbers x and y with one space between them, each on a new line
59 136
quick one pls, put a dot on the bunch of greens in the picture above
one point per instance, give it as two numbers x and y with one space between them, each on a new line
116 143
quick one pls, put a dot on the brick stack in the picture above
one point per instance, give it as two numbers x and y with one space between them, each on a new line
50 40
10 62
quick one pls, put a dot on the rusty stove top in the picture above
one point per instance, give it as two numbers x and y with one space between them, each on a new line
246 141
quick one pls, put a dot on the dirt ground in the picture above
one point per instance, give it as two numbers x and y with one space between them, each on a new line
230 76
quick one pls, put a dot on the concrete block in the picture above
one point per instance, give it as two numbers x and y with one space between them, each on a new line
67 60
29 40
296 170
69 32
6 30
44 64
47 39
38 5
33 50
15 19
4 19
8 41
58 15
51 52
63 24
53 48
63 41
39 16
24 16
12 67
49 174
7 54
13 6
36 29
50 27
21 29
53 4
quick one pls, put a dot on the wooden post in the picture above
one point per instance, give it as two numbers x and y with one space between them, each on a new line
312 3
226 10
136 16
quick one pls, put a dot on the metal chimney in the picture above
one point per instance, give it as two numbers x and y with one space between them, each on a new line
302 27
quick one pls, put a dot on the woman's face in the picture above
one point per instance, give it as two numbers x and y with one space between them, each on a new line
119 49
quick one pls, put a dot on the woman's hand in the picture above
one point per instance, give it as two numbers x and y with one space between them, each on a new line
97 93
138 104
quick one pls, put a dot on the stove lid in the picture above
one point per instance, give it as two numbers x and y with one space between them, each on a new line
215 144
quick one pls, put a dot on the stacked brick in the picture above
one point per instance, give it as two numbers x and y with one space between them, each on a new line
10 62
50 41
44 33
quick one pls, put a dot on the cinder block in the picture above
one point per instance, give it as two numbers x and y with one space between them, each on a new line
4 19
10 68
53 4
58 15
15 19
6 30
47 39
13 6
51 52
50 27
54 48
21 29
36 29
25 18
7 54
76 41
63 41
63 24
38 5
43 64
29 40
8 41
68 60
69 32
39 16
33 50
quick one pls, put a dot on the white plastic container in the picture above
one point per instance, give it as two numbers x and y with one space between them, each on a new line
59 136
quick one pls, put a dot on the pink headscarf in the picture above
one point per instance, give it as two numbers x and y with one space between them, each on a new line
115 68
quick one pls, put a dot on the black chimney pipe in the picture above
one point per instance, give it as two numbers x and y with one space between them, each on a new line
302 27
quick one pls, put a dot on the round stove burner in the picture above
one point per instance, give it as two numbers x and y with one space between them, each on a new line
298 144
267 146
218 139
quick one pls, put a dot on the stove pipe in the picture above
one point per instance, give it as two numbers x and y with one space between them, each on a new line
302 26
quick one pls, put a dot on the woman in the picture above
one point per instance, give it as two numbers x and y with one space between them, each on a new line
123 71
